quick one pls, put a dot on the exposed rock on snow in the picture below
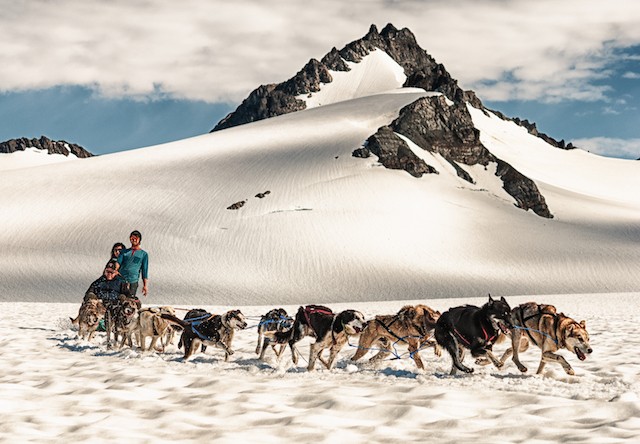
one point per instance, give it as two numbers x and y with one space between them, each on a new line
447 128
237 205
522 189
533 130
45 144
394 153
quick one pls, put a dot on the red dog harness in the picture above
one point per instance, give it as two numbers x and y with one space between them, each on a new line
488 339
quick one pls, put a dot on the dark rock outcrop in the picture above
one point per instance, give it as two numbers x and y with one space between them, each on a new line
533 130
265 102
274 100
447 129
237 205
394 153
522 189
45 144
436 126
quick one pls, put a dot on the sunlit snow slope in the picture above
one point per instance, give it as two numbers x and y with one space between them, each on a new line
332 227
31 157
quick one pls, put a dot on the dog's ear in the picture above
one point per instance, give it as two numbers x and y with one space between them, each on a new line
583 324
490 300
504 300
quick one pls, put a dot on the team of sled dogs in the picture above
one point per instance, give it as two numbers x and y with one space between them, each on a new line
457 330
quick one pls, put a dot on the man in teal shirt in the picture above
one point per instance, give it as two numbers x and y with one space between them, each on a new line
134 262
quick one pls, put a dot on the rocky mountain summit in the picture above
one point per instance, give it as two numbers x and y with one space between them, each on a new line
421 69
45 144
440 124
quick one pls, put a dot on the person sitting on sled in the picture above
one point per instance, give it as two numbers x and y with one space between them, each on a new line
107 287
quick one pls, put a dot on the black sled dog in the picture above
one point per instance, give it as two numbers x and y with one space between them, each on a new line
473 328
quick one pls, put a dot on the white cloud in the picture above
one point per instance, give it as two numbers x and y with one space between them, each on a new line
631 75
611 147
219 51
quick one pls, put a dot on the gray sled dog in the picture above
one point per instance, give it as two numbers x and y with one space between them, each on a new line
549 331
91 312
274 321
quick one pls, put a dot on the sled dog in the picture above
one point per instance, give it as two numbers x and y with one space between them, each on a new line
90 313
125 319
208 329
549 331
274 321
473 328
412 326
151 324
331 331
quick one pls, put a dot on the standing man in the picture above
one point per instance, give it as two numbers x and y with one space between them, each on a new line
132 262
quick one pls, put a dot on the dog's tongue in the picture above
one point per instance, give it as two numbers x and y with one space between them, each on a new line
581 356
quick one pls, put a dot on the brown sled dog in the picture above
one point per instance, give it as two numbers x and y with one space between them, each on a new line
91 312
412 326
548 330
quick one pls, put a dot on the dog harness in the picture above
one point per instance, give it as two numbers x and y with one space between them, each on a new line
310 309
194 322
282 321
420 328
388 328
523 320
488 339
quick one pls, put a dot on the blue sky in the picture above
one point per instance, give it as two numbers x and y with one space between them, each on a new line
122 74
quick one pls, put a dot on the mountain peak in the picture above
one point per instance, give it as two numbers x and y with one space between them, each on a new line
420 70
440 124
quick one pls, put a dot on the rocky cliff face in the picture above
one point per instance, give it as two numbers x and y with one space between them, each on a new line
447 129
394 153
45 144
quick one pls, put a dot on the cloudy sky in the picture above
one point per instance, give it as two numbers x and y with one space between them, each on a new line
119 74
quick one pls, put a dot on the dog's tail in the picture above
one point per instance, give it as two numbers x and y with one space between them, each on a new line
175 320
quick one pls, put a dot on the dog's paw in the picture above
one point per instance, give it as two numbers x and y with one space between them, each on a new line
570 372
